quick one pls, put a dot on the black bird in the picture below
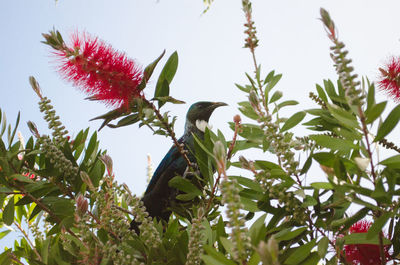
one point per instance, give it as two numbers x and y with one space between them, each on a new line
157 197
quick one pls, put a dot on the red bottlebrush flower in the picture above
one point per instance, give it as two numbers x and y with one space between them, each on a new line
390 78
100 71
364 254
30 175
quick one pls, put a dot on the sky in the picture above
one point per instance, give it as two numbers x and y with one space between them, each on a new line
211 58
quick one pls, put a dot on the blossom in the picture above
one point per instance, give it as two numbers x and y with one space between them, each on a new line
29 175
100 71
363 254
81 205
390 78
362 162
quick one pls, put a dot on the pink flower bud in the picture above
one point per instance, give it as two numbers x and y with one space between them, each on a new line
81 205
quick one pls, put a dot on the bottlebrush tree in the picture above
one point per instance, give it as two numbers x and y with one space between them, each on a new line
61 193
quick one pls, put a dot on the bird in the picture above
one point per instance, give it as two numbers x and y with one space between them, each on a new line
158 195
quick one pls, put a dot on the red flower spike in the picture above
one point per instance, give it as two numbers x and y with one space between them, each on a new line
100 71
363 254
30 175
390 78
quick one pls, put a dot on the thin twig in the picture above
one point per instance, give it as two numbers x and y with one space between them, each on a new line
213 192
29 240
171 133
237 121
46 209
14 258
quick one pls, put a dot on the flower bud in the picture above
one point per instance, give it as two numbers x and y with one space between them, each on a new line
35 86
269 251
86 179
106 159
237 119
253 99
200 212
81 205
32 127
362 162
244 162
220 155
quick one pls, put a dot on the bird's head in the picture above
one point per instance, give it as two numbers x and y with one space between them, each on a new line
199 113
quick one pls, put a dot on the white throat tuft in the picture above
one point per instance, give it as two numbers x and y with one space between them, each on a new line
202 125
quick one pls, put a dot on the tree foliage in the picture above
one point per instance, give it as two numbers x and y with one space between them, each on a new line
62 196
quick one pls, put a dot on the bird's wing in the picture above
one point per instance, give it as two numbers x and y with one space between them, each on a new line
168 165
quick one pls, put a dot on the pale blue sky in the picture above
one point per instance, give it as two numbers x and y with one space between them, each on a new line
211 57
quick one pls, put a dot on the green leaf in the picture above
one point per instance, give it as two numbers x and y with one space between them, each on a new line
162 92
249 205
45 249
344 117
76 240
345 223
306 165
247 110
323 246
228 245
274 80
322 185
361 238
91 147
269 76
333 143
8 213
254 259
128 120
22 178
4 233
293 121
301 253
166 76
185 185
286 234
284 104
389 123
371 96
312 259
375 111
248 183
246 89
148 71
202 146
393 162
258 230
169 99
11 135
214 257
321 93
378 224
309 201
276 96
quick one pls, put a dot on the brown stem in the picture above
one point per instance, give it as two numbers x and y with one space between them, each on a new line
123 210
341 256
29 241
14 258
46 209
213 193
365 131
232 145
171 133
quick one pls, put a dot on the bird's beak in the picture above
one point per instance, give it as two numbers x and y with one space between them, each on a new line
218 104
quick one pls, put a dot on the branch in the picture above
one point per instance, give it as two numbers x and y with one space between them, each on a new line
29 240
171 133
